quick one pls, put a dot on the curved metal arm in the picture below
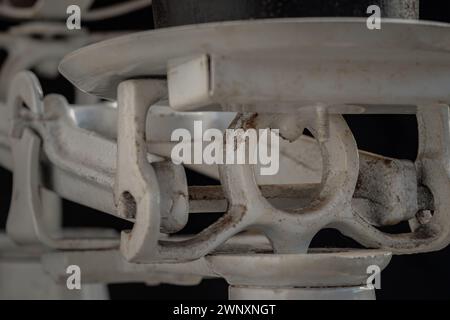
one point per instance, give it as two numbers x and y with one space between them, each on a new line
26 223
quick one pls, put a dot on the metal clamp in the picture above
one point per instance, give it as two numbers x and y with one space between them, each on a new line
432 165
137 192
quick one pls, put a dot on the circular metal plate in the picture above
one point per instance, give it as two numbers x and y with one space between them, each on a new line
99 68
332 268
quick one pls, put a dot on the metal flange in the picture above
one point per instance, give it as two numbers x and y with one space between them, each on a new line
327 274
406 62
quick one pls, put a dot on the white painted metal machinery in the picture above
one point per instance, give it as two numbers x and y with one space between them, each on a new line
291 74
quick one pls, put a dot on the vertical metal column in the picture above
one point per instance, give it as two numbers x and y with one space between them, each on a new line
168 13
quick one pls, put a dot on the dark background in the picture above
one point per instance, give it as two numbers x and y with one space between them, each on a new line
425 276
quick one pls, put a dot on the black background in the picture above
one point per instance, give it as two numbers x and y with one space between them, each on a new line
425 276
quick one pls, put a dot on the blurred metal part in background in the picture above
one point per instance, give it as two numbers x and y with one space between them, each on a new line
57 10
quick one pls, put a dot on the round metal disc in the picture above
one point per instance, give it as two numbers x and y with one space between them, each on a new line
99 68
329 268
